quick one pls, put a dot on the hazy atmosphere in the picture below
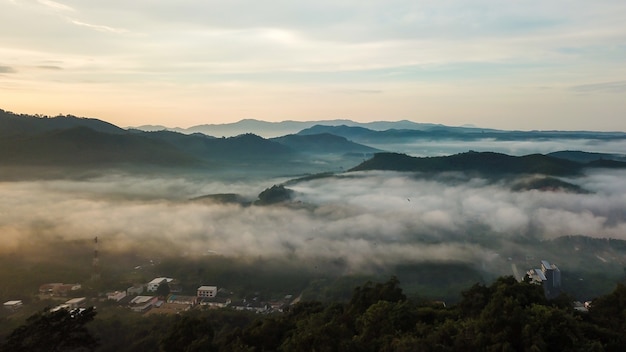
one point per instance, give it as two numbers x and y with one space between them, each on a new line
514 65
366 220
312 175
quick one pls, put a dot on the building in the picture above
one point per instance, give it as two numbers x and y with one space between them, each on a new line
252 306
134 290
207 291
142 303
549 277
58 289
215 302
553 277
180 299
116 295
12 305
153 285
76 303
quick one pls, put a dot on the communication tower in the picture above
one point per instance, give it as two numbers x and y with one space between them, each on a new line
95 275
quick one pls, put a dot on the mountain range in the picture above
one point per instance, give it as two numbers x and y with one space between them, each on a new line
277 129
63 141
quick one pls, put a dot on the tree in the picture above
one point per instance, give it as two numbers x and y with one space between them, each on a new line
51 331
369 294
163 290
189 334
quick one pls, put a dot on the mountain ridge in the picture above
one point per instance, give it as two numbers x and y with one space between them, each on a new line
486 163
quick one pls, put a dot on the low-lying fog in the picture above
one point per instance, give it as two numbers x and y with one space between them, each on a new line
365 219
516 147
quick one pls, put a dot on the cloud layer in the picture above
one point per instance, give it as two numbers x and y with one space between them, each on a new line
364 220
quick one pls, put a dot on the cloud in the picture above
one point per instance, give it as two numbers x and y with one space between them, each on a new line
56 5
7 69
610 87
99 28
445 61
50 67
366 220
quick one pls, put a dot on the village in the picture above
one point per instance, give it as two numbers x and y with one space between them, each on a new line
162 295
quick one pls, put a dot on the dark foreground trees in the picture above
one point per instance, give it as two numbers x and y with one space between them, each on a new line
52 331
504 316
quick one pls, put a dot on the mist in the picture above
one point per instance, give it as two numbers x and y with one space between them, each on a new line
365 220
514 147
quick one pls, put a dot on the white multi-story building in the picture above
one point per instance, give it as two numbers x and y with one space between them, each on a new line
549 277
207 291
12 305
154 284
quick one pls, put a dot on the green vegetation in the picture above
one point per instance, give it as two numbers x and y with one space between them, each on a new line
483 163
546 184
274 194
322 143
505 316
54 331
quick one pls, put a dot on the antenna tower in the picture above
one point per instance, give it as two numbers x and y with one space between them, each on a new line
95 275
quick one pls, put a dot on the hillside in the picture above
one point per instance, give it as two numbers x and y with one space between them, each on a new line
12 125
322 143
242 147
585 157
486 163
85 146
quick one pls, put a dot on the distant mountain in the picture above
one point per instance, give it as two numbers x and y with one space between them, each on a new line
276 129
438 132
324 143
485 163
155 128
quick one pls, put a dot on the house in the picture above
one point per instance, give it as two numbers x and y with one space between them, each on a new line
153 285
12 305
49 288
253 306
180 299
76 302
143 303
207 291
215 302
116 295
169 308
58 289
67 289
134 290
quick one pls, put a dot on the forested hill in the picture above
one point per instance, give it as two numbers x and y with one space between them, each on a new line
486 163
12 125
323 143
85 146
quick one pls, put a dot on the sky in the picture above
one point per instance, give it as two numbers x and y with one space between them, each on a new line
500 64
